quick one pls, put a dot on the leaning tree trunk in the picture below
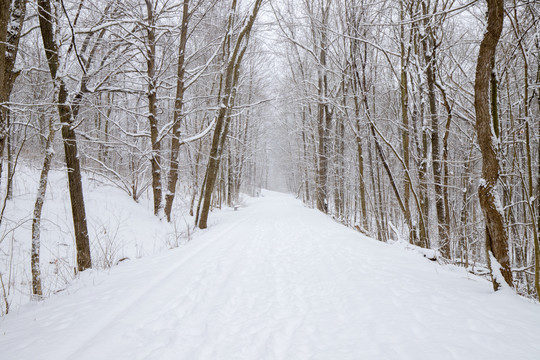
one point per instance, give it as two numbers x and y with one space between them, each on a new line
496 236
67 114
178 113
222 120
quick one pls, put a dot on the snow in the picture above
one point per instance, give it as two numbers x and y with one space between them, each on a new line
118 228
276 280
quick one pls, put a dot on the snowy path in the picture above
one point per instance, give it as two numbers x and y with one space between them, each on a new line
276 280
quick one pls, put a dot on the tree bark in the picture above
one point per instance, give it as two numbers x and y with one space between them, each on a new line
496 236
178 112
12 14
324 117
421 128
530 193
354 54
38 206
404 102
429 58
155 158
537 199
446 251
222 120
5 7
67 114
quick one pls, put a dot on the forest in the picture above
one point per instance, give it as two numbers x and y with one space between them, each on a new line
406 120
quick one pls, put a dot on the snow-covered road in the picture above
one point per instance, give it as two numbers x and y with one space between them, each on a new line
276 280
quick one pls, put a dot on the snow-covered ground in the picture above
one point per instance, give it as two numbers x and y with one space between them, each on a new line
118 228
275 280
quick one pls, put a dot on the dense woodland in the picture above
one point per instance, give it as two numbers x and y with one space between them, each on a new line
413 120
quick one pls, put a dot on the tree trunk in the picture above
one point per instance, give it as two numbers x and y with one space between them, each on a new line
5 7
446 250
178 113
10 164
356 85
324 117
537 201
376 206
67 114
496 236
530 193
421 140
155 158
362 181
36 220
404 102
322 152
222 121
12 14
429 58
464 214
305 157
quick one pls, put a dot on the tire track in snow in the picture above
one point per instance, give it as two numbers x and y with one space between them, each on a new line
286 282
123 308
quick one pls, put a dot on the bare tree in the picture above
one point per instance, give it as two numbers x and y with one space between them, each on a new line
155 141
234 48
11 23
324 113
178 109
68 113
496 236
38 207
